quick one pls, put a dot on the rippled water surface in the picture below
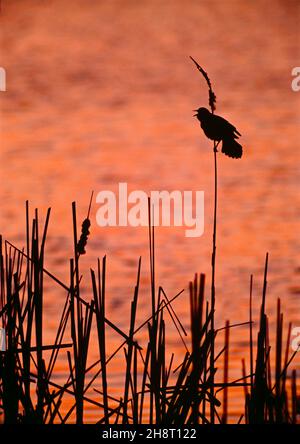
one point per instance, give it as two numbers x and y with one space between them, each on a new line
102 92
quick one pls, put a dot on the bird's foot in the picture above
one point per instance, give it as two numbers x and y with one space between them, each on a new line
216 144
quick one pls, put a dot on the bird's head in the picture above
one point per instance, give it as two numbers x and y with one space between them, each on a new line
201 113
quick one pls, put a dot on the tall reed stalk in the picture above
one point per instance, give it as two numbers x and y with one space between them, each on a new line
212 104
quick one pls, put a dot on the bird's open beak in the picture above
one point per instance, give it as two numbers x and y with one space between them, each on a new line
195 111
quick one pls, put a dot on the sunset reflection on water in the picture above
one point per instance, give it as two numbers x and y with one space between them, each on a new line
100 93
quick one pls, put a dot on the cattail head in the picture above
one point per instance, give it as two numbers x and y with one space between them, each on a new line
81 244
84 236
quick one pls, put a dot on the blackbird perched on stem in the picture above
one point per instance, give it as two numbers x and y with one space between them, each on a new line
218 129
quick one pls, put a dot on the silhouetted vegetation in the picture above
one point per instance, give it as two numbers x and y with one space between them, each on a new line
153 391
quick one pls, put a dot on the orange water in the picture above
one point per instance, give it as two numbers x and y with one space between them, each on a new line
102 92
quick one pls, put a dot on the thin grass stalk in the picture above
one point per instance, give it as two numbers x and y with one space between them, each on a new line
205 370
152 327
258 394
162 364
278 393
246 391
9 376
251 331
294 398
225 376
196 304
144 379
213 288
135 395
99 299
130 345
26 353
268 357
286 356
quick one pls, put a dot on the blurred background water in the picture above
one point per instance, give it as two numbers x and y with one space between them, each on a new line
102 92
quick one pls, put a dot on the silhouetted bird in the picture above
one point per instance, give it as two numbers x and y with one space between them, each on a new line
216 128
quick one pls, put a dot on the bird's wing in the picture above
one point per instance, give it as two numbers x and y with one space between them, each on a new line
225 126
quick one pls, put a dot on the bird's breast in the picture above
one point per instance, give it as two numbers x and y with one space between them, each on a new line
211 131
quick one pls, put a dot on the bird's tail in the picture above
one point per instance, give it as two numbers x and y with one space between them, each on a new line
232 148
